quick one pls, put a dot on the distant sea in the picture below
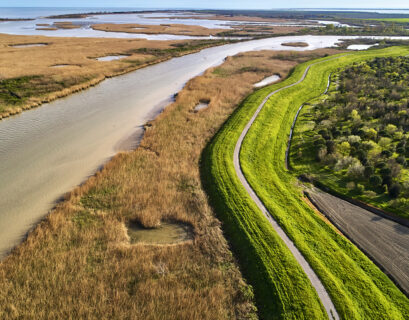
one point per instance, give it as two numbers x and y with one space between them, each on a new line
37 12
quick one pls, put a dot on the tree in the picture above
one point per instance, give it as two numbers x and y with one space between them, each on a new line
387 180
322 152
344 148
356 170
375 180
368 171
395 190
360 188
372 134
330 146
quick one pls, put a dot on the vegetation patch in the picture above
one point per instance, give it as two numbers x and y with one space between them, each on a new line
355 141
295 44
346 272
23 88
168 232
17 91
83 243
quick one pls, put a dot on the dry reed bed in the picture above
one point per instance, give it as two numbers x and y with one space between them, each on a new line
77 263
176 29
181 29
79 54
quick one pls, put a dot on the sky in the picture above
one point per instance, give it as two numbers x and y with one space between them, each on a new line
215 4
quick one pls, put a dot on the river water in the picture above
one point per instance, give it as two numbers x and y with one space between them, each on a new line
47 151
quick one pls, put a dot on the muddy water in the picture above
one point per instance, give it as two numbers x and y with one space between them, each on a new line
166 233
47 151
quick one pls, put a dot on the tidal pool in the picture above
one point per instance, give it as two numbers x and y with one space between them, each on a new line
268 80
166 233
111 58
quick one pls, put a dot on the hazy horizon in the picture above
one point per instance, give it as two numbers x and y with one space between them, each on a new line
215 4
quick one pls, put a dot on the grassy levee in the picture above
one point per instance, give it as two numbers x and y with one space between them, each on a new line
282 289
357 287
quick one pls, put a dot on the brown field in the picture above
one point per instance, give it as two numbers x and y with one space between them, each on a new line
28 77
78 263
175 29
295 44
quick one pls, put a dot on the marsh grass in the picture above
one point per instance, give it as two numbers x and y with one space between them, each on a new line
78 262
28 77
176 29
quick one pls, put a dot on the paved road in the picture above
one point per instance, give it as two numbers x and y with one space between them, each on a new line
315 281
385 241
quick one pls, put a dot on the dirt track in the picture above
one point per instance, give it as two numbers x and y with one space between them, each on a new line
385 241
312 276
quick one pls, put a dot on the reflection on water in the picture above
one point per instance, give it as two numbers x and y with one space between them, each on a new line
268 80
28 45
85 30
111 58
361 46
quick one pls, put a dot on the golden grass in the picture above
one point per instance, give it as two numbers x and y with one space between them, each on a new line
222 17
175 29
78 262
181 29
79 54
295 44
66 25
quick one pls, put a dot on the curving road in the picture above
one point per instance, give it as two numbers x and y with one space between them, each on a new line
312 276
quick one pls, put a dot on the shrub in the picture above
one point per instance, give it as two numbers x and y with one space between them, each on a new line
351 185
321 153
360 188
370 194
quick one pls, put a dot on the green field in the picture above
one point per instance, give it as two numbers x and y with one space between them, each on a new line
396 20
357 287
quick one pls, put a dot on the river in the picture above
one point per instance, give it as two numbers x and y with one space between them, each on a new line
47 151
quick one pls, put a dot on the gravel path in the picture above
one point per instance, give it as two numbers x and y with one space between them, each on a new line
315 281
383 240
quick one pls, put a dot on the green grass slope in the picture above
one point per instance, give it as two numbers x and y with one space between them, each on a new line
357 287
